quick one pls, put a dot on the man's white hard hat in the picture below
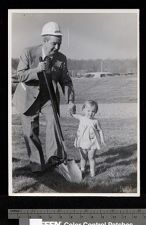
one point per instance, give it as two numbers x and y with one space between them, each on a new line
51 28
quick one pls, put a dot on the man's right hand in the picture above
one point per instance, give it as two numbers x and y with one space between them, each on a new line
41 66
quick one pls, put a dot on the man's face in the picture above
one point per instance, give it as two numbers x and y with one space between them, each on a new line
52 45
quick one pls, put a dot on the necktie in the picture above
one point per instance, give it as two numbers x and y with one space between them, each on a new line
48 61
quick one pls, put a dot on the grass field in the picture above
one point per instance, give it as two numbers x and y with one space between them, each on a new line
106 90
116 164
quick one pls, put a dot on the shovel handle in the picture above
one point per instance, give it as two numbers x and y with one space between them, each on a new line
50 89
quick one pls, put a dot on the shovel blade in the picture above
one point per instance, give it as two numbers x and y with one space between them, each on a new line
74 171
63 170
70 172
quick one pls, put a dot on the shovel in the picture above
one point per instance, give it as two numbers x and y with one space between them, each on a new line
68 168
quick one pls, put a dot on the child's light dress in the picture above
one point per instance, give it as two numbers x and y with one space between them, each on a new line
87 134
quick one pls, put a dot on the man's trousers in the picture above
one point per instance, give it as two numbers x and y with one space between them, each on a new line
39 155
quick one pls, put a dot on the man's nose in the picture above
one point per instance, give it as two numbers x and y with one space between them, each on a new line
57 46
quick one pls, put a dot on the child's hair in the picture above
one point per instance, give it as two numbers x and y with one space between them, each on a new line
92 104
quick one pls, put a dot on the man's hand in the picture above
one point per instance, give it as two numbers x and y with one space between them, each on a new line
71 108
41 66
103 143
44 65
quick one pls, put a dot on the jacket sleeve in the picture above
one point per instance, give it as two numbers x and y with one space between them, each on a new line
66 83
24 72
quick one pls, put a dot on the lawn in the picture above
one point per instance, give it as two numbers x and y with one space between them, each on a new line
106 90
116 164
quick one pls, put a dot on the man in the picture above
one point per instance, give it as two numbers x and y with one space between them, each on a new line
32 98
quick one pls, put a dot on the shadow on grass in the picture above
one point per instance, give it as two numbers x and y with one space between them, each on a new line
121 156
51 179
123 186
15 160
116 159
121 152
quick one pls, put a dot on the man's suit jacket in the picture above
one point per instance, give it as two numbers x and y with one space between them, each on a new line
28 88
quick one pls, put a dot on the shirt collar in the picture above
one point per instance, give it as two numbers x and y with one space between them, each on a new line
43 54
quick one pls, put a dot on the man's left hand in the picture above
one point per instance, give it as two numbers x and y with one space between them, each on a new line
72 107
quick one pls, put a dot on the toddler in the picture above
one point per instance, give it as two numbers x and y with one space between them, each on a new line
87 134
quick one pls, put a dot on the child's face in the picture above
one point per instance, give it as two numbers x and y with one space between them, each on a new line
89 111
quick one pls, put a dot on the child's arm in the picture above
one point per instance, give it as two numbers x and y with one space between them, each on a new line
101 136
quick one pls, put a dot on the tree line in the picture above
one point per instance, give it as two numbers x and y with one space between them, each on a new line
108 65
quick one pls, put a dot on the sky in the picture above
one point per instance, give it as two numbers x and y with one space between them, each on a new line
87 34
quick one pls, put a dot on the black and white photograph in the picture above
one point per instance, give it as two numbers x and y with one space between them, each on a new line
73 91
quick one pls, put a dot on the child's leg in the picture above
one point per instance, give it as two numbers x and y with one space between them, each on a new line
83 162
83 159
91 162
